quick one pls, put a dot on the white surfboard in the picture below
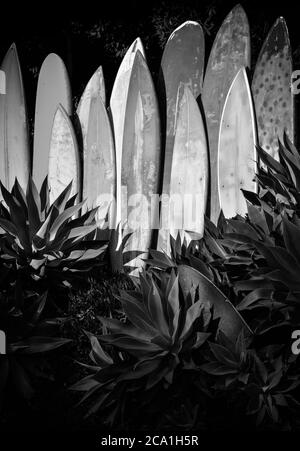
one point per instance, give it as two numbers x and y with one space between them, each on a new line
63 162
14 139
118 102
236 147
95 87
53 90
99 169
189 170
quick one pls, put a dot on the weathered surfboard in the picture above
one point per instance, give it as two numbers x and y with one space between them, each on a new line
99 172
63 160
189 170
95 87
271 88
231 322
230 52
53 90
14 141
236 149
182 64
140 160
118 101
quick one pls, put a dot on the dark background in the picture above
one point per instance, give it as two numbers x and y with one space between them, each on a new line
89 34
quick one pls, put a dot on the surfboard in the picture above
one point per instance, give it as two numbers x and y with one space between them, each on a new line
63 160
53 89
271 88
230 52
95 87
237 147
182 64
99 172
189 170
14 140
141 161
231 322
118 101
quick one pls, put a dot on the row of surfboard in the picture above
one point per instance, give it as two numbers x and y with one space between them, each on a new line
195 144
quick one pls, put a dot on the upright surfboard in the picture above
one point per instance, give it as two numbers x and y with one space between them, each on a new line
236 149
271 88
63 161
140 160
99 166
118 101
189 170
14 141
53 90
95 87
230 52
182 64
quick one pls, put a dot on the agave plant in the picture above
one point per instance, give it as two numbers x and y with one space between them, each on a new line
42 241
164 328
30 336
261 378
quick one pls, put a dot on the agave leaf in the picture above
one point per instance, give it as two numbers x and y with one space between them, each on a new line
242 228
192 314
18 217
41 234
217 369
156 311
61 200
138 317
33 208
83 220
291 236
270 162
63 218
136 347
253 297
78 233
44 195
39 306
258 218
85 384
8 226
224 355
231 322
200 266
278 257
173 305
201 338
37 345
71 202
161 259
37 263
100 357
19 194
117 327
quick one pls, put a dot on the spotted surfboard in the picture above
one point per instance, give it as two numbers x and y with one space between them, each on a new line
271 88
230 52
